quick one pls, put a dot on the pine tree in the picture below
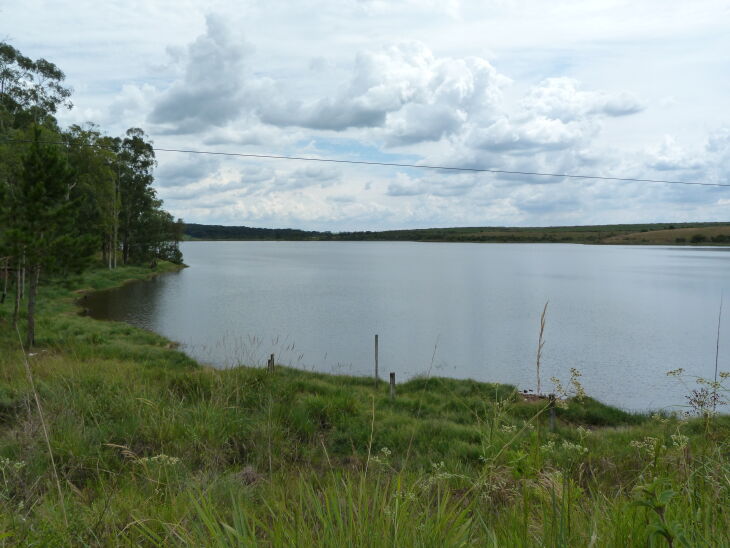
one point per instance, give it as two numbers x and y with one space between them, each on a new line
43 230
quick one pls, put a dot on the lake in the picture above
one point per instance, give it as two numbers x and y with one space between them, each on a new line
622 315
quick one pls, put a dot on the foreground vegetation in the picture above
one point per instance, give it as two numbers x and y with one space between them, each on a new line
648 234
150 448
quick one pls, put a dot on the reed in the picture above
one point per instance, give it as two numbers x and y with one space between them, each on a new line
540 345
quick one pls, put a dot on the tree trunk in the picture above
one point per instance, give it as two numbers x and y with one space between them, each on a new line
6 263
22 277
105 249
35 273
115 222
16 309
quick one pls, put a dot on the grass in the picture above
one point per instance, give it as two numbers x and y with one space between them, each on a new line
152 449
701 235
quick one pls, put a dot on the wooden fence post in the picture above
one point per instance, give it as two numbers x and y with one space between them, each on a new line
392 385
377 377
551 407
271 363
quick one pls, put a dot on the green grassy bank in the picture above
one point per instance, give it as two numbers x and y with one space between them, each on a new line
150 448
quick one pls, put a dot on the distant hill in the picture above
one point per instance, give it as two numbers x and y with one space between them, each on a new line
218 232
655 233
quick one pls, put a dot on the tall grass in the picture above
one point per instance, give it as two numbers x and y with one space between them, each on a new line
540 345
153 450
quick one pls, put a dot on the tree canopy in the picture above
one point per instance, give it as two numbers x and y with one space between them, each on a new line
69 196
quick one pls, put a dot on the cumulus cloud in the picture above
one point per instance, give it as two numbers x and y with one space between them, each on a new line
210 93
561 99
402 89
249 131
554 115
403 99
182 170
670 156
234 182
311 175
400 95
433 185
528 135
717 156
444 110
708 163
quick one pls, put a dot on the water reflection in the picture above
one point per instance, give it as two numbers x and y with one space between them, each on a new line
623 315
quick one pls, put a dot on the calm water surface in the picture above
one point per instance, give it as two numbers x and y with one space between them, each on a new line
622 315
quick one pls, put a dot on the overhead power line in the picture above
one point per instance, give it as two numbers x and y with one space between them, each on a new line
397 164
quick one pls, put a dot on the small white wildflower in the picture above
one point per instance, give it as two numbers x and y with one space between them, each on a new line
549 446
679 440
651 445
7 464
164 460
574 447
580 392
558 385
507 428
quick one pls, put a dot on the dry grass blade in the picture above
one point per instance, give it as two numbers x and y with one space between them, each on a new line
717 354
29 374
540 344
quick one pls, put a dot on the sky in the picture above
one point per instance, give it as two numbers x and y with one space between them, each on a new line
636 89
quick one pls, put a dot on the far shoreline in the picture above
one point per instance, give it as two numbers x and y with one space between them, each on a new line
715 234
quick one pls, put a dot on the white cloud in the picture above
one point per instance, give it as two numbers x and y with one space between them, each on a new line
181 170
402 89
670 156
561 99
210 93
576 87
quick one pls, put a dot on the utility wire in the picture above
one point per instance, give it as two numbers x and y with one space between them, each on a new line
395 164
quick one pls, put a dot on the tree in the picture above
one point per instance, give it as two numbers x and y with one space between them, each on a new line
42 227
137 197
95 159
70 192
31 92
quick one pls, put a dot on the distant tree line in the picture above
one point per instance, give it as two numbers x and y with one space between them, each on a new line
69 196
582 234
218 232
